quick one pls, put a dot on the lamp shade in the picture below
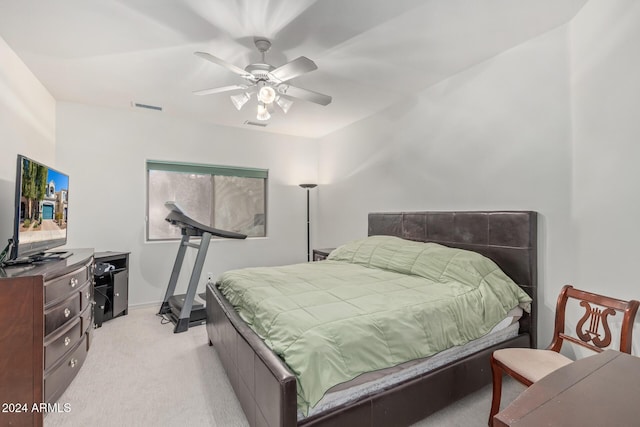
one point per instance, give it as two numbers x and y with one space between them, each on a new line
263 112
267 94
239 100
284 103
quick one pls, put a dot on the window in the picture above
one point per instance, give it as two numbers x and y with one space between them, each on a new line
228 198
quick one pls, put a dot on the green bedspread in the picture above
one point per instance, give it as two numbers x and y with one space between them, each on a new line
375 303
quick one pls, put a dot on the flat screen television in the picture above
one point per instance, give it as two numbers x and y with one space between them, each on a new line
41 211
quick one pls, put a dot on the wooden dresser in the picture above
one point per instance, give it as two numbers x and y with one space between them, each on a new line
46 322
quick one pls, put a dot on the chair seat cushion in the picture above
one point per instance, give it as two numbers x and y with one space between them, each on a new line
533 364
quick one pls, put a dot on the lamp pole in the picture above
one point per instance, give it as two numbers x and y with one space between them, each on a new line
308 187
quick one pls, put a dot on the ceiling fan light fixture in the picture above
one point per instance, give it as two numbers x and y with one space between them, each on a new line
240 99
284 103
268 82
267 94
263 112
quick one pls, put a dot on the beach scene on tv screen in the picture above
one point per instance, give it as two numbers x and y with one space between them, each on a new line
43 203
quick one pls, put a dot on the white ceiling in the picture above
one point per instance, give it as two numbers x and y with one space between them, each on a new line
370 53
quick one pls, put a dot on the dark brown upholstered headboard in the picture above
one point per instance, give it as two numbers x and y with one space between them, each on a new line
509 238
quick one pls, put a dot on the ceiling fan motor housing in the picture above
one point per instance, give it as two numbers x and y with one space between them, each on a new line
260 71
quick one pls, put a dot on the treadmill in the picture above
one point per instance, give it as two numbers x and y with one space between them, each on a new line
184 310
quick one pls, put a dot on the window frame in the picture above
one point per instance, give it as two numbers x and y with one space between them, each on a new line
203 169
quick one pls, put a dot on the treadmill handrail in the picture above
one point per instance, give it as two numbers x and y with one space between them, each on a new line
185 223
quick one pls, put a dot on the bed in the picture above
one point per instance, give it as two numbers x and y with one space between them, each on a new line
266 387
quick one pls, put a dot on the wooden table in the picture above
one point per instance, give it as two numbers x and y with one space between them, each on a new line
600 390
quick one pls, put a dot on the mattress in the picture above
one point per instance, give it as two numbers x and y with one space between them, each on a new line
372 382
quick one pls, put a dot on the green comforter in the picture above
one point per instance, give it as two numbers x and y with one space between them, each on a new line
375 303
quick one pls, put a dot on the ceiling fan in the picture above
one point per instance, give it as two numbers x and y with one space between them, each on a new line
269 82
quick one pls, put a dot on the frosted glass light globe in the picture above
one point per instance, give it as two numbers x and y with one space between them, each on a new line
267 94
263 112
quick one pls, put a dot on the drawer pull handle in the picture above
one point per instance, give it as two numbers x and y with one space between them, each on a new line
67 312
73 282
117 294
73 362
67 341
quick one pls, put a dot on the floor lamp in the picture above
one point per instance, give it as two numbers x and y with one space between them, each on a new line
308 187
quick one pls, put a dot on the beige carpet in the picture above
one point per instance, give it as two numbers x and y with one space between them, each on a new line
139 373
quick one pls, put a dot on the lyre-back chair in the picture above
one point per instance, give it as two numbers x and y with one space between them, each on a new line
529 365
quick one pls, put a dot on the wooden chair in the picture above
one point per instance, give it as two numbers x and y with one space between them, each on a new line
529 365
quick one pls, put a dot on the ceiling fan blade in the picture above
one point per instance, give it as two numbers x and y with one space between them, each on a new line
221 89
305 94
292 69
225 64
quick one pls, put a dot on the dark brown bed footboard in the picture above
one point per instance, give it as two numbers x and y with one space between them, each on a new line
264 385
266 388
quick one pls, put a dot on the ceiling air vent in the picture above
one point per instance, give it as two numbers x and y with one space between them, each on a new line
147 106
249 122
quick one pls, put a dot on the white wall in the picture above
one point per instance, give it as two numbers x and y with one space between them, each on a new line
550 125
104 152
27 126
605 82
495 136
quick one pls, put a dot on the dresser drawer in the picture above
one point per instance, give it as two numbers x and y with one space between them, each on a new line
86 297
62 286
61 313
87 319
62 341
61 376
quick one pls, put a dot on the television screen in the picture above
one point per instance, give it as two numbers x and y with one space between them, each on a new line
42 197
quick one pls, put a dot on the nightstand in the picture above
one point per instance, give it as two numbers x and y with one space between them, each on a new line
321 254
